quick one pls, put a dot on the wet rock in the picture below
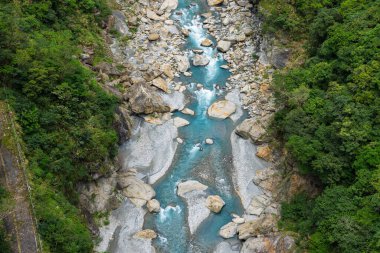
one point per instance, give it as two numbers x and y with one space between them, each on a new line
161 84
145 234
188 111
215 203
179 140
180 122
221 109
228 231
185 32
251 128
206 43
153 37
214 2
209 141
143 99
153 205
198 51
133 188
223 45
200 60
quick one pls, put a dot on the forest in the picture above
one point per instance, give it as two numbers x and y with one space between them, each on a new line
330 120
65 116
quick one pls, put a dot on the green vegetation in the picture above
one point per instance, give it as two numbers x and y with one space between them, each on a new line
4 205
65 116
330 121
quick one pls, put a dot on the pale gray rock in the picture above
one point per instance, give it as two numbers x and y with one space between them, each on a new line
223 45
221 109
200 60
228 231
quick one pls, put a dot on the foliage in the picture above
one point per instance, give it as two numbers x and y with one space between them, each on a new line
66 117
4 240
330 123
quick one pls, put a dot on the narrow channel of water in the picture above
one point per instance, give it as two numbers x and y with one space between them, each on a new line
211 164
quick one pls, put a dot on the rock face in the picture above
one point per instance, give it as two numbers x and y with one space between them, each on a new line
223 45
123 123
143 99
278 243
153 205
194 194
206 43
215 203
251 128
146 234
221 109
214 2
180 122
161 84
228 231
200 60
263 225
135 189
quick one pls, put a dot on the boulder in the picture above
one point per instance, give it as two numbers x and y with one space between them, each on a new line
215 203
182 63
200 60
153 205
185 32
179 140
251 128
206 43
180 122
145 234
209 141
221 109
167 70
228 231
144 100
188 186
214 2
223 45
188 111
153 37
133 188
161 84
152 15
168 5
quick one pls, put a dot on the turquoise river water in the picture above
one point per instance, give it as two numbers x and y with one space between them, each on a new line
212 165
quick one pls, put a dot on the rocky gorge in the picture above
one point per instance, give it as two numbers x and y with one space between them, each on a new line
195 170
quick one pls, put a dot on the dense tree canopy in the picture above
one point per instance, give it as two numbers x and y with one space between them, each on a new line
66 117
330 121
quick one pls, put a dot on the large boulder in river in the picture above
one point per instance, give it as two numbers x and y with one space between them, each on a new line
188 186
223 45
153 205
206 43
200 60
229 230
221 109
144 100
161 84
214 2
251 128
146 234
215 203
135 189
